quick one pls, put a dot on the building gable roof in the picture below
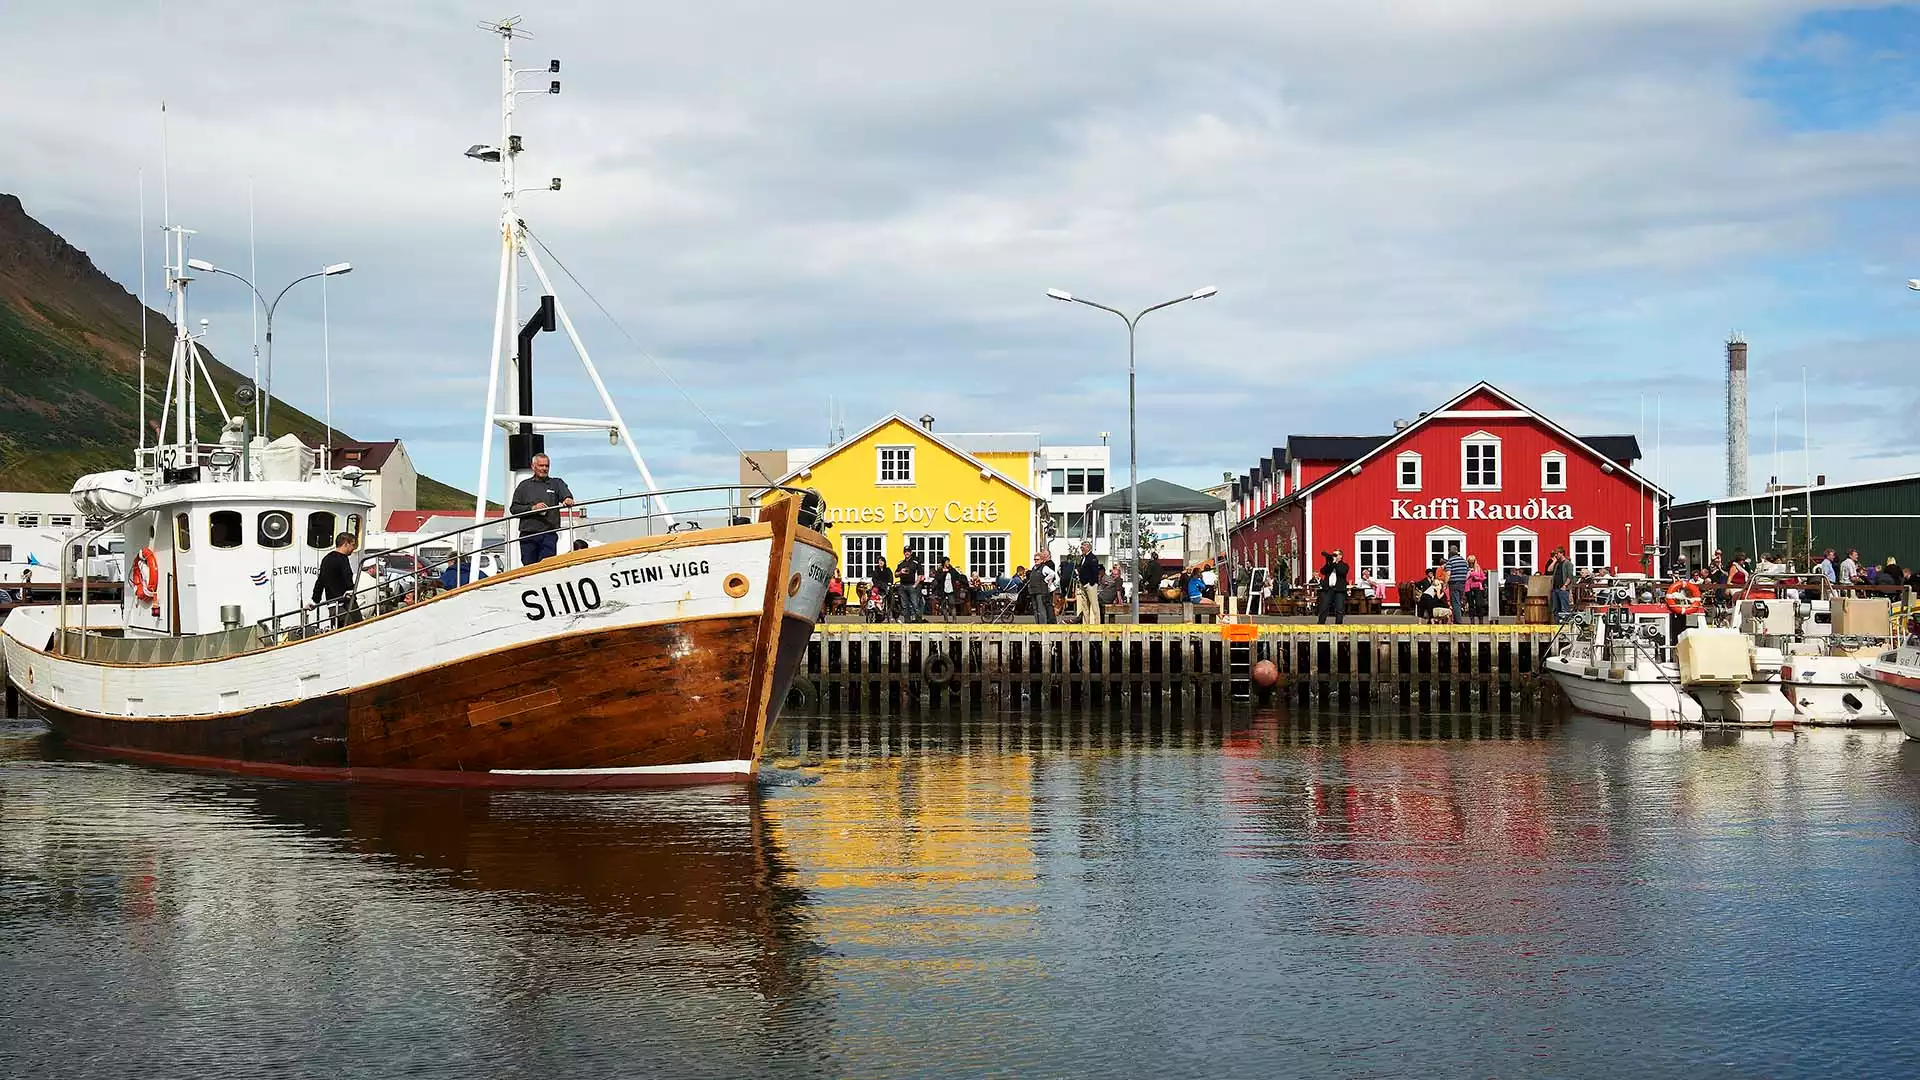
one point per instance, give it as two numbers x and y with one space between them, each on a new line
919 432
371 456
1381 443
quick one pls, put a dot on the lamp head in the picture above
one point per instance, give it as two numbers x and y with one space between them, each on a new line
202 265
336 268
483 152
1912 283
1202 294
1060 294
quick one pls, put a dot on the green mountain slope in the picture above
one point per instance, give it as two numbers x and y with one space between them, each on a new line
69 383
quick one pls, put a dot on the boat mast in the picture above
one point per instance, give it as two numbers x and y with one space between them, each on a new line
506 317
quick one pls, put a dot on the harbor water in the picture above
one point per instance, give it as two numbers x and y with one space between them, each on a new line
1082 893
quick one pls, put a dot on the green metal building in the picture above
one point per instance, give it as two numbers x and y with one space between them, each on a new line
1879 517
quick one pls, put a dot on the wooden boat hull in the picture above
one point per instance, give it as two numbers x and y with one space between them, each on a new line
677 689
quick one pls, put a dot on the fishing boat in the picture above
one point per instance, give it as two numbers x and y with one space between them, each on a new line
1896 675
1761 654
659 659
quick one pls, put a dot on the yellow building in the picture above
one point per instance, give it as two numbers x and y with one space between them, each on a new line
898 486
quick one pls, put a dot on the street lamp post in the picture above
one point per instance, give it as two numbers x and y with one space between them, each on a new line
266 399
1133 444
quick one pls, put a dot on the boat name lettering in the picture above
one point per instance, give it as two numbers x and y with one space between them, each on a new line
1449 509
565 598
646 575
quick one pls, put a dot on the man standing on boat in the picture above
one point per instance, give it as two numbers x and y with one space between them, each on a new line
334 583
539 497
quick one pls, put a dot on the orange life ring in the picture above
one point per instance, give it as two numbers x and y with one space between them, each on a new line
146 575
1683 598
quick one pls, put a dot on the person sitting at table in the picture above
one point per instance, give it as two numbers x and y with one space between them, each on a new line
1196 589
1433 604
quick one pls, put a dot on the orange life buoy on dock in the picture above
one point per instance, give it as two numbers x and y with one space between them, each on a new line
146 575
1683 598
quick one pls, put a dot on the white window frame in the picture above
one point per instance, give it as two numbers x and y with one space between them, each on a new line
1693 553
28 521
1589 536
1439 539
927 563
1006 554
1400 463
865 573
1378 537
1484 440
1517 534
880 469
1553 457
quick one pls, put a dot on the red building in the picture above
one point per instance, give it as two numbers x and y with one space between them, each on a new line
1483 471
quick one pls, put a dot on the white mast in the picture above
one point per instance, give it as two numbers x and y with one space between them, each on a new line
506 319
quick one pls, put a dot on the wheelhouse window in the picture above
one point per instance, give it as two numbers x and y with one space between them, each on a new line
225 529
276 529
29 521
1480 462
1553 472
1407 471
987 555
322 527
896 465
61 521
353 526
182 532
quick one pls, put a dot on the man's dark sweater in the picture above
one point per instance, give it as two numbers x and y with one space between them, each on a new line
1089 569
551 491
335 578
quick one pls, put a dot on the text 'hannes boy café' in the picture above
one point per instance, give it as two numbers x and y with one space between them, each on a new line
1482 471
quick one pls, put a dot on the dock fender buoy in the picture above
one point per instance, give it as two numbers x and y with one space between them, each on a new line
803 694
939 668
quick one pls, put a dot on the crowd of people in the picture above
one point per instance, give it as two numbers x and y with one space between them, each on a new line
1080 586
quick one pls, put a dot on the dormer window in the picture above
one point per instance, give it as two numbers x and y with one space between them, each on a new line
1480 462
896 465
1407 471
1553 471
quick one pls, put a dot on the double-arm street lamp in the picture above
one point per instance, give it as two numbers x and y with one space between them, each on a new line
266 397
1133 442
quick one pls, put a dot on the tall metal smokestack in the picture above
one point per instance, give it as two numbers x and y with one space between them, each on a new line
1736 415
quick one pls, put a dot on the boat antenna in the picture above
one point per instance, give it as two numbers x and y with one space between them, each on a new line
326 369
141 441
523 440
1806 457
253 274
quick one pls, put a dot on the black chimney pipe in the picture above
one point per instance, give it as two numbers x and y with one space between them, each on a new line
524 444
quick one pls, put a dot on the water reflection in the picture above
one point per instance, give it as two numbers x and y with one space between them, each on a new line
1293 892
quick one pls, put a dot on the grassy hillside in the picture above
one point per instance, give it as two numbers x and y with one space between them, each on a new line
69 377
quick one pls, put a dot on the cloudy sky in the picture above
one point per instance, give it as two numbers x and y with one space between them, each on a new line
785 204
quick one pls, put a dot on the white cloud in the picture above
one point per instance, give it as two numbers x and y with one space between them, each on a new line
848 198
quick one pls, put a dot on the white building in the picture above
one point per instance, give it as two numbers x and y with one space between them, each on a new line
39 510
1068 477
392 482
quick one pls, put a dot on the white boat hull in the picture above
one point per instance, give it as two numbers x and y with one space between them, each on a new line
1651 703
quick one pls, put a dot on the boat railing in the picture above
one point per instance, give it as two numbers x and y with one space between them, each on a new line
471 547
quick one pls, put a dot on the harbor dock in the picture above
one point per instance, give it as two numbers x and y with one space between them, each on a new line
888 667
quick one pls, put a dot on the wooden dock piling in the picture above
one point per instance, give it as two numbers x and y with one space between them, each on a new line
890 667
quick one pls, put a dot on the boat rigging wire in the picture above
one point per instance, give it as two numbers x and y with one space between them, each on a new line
641 350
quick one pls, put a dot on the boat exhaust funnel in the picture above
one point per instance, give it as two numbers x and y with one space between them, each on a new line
522 445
